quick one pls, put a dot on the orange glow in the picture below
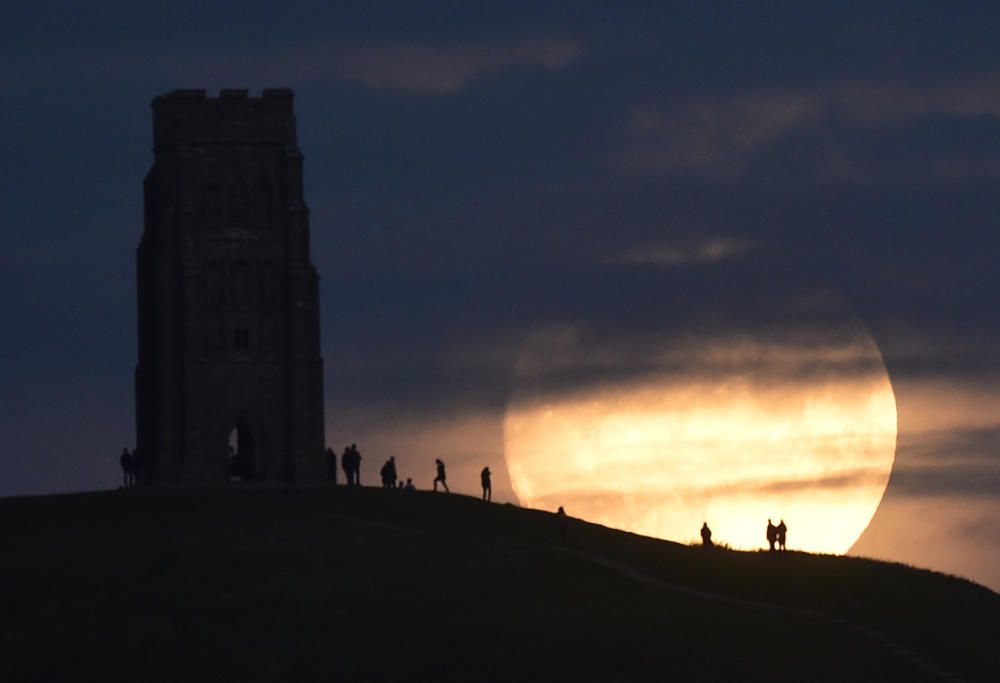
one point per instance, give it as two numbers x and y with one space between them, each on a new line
660 455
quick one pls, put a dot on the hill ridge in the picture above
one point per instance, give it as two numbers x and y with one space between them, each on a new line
374 566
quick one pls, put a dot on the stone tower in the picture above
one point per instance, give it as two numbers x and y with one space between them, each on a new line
230 378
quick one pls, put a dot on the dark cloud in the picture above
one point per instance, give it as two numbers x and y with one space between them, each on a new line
846 480
949 463
639 501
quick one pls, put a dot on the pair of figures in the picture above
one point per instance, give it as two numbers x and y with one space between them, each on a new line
776 534
350 462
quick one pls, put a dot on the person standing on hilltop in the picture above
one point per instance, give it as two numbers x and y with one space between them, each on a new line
388 473
487 484
345 464
356 464
562 522
706 535
779 532
393 475
440 476
772 534
351 462
128 474
331 465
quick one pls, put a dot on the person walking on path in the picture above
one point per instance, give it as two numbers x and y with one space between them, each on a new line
441 476
487 484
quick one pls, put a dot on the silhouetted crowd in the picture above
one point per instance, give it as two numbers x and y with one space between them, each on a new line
350 463
133 471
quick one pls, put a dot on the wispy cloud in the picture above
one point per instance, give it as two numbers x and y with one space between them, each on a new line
710 251
449 67
861 476
718 136
559 360
407 66
714 137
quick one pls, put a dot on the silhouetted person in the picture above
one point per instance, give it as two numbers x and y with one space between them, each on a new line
345 464
331 465
128 474
388 473
351 462
356 464
409 485
772 534
441 477
484 476
780 532
562 522
706 535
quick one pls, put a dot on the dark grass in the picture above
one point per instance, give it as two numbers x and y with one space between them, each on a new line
370 585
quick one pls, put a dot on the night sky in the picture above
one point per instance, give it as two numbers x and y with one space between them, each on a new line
477 175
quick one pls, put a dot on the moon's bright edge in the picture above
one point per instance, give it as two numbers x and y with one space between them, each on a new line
751 432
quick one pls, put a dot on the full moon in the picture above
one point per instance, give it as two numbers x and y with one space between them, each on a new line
729 432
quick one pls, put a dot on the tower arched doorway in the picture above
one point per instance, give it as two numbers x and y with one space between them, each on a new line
242 453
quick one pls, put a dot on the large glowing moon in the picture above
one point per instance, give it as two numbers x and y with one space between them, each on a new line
730 433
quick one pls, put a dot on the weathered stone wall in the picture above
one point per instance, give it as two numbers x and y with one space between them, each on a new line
228 296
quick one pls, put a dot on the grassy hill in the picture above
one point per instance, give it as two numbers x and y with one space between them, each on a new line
372 585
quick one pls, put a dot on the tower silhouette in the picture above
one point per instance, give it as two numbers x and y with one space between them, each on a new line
229 349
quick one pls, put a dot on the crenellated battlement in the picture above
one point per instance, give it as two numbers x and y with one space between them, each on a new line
192 116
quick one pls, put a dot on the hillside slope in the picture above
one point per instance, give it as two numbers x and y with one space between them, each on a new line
373 585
